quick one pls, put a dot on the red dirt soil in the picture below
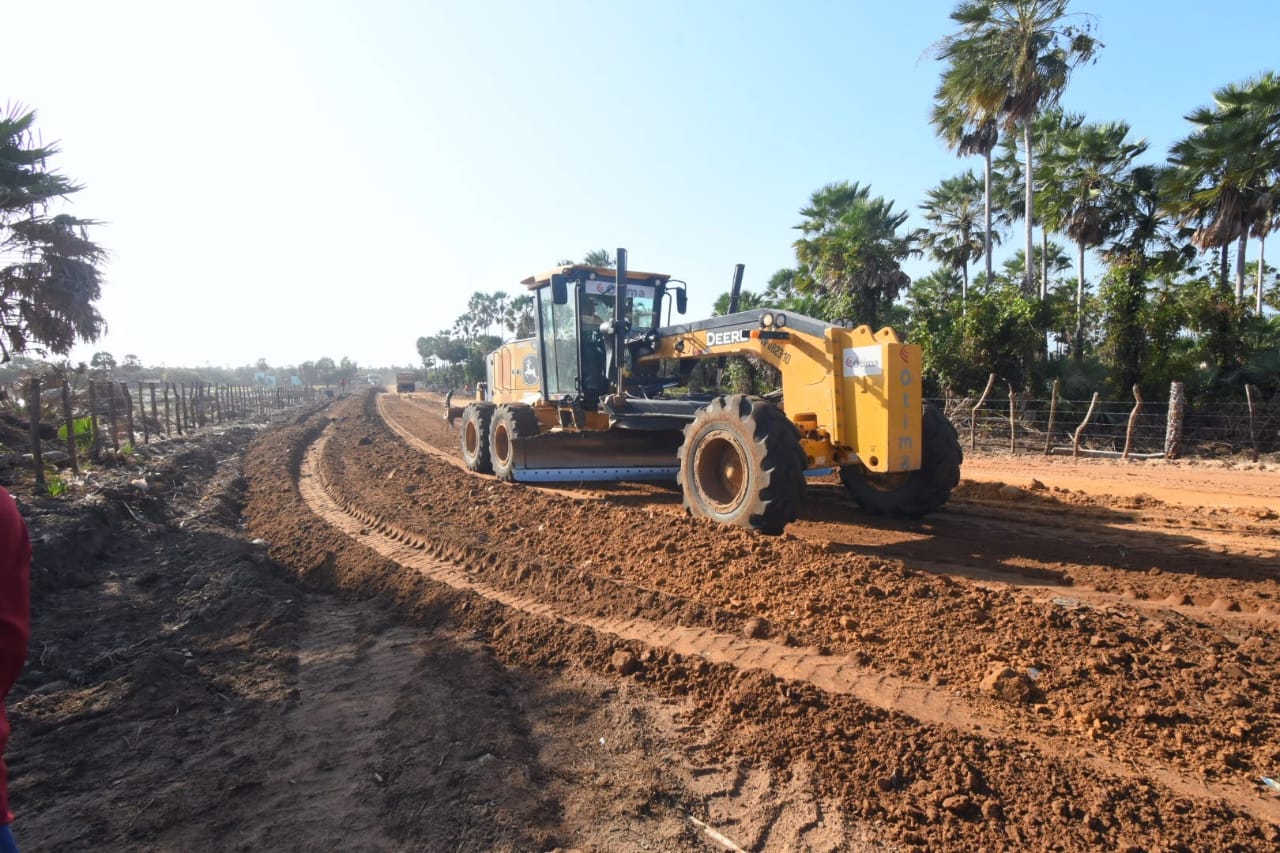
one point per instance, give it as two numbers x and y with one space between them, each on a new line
340 637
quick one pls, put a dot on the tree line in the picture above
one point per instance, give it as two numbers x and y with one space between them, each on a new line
323 371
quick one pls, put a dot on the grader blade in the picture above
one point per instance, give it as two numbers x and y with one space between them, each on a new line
615 454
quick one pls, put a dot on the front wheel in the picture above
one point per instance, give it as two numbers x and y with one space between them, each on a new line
509 424
476 418
741 463
912 493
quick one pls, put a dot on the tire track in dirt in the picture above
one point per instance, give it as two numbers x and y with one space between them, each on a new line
346 694
959 546
925 704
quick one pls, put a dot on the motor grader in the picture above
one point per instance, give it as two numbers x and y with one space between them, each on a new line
589 399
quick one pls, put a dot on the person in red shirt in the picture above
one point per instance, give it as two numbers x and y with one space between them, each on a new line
15 629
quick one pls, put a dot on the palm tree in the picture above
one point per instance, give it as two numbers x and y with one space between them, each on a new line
781 285
1140 246
954 238
1080 177
498 307
49 278
747 300
782 291
1010 60
599 258
1009 191
480 307
851 253
948 119
517 317
1227 170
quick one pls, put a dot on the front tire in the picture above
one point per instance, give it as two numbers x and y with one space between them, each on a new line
476 419
914 493
741 463
509 423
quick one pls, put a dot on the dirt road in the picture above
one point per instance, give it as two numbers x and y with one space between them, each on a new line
1071 655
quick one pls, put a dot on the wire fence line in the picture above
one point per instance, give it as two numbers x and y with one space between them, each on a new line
59 424
1019 423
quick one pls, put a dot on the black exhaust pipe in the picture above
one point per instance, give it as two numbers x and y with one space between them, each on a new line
735 290
619 331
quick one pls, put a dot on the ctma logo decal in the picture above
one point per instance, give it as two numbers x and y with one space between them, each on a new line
862 361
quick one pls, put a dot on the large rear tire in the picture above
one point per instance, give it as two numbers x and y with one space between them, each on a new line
509 423
741 463
914 493
476 418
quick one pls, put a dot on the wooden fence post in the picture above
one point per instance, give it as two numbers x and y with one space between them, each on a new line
1173 425
128 411
95 439
37 458
1075 440
71 427
1053 411
1253 434
168 419
973 415
142 410
1133 418
154 416
1013 406
111 414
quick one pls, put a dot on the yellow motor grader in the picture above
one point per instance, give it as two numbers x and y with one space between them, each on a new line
589 398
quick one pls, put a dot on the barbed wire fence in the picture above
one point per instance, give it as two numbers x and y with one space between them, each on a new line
58 424
1135 428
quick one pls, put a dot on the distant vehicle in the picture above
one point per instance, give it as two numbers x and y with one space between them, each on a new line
406 382
374 379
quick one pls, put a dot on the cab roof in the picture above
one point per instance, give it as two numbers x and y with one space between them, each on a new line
578 272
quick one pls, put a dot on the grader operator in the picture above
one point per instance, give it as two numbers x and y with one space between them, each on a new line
587 399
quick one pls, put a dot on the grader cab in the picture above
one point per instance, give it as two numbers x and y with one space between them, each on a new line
591 397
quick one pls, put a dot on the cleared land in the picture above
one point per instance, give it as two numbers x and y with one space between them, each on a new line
1071 655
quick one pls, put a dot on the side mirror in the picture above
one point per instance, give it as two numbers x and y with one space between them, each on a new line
559 290
682 301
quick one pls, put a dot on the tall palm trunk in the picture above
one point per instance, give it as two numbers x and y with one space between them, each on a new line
1044 263
1244 236
1077 342
1030 265
1262 266
986 189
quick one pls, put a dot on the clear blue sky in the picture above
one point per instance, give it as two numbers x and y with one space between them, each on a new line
293 180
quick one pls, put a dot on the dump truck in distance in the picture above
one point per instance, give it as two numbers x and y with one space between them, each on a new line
406 382
587 398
